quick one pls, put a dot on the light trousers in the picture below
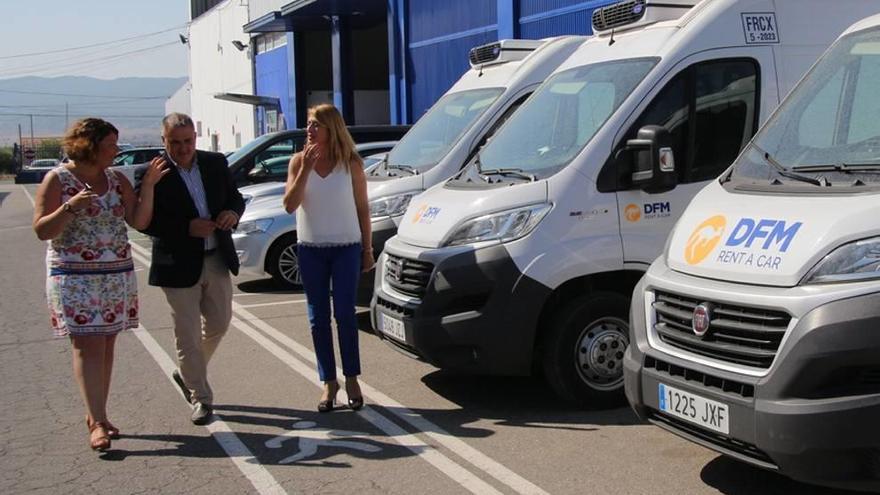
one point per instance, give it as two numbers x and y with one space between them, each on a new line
201 316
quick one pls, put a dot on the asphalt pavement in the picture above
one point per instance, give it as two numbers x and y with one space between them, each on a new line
422 430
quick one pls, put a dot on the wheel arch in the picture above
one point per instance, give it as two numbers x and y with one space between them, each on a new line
619 281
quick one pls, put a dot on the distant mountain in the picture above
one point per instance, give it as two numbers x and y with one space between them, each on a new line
135 105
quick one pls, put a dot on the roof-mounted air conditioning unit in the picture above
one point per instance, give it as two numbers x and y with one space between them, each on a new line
502 51
635 13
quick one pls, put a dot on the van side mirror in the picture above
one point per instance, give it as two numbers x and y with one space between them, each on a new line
653 163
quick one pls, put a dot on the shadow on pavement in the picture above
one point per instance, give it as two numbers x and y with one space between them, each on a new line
737 478
518 401
303 438
267 286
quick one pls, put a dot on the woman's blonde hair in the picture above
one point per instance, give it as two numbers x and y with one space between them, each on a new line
82 139
339 141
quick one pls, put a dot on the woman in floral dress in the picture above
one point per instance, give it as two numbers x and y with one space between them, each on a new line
82 208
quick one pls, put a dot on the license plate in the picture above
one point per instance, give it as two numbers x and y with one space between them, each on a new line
392 327
695 409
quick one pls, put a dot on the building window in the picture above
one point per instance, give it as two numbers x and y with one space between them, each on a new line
270 41
199 128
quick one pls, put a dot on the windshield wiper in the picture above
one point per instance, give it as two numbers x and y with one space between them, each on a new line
839 167
510 172
781 170
405 168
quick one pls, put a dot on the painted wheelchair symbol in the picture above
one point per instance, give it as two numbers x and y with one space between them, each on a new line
311 438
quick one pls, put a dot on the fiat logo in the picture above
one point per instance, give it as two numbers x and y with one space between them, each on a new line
702 318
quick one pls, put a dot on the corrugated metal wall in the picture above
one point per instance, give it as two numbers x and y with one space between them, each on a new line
543 18
270 69
440 34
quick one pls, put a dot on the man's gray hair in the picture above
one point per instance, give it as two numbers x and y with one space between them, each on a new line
176 119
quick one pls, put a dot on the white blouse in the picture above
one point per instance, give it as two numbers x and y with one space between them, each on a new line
328 215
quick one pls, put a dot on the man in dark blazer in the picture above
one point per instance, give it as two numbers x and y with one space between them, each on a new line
196 206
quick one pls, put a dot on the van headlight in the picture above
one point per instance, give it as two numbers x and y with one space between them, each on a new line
504 226
254 226
853 262
390 206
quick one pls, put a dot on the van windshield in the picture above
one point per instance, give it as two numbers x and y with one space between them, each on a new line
436 131
827 132
562 116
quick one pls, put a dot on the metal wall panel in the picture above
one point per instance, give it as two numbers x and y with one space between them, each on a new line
435 68
543 18
439 35
429 19
270 70
574 23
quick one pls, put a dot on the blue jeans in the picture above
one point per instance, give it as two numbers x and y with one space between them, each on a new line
341 265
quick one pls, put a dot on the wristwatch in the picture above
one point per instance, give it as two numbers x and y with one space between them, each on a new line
69 209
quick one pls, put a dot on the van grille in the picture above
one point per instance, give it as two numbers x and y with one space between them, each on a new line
408 276
619 14
485 53
737 334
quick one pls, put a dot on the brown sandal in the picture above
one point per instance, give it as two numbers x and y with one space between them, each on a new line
102 442
112 431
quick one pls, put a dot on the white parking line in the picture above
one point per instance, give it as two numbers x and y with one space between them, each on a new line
444 464
468 453
262 481
276 303
235 449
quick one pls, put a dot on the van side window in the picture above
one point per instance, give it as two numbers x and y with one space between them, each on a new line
726 116
711 112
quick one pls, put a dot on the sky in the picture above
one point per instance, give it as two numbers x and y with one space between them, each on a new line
126 34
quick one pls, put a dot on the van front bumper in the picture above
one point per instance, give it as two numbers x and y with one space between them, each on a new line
812 416
478 312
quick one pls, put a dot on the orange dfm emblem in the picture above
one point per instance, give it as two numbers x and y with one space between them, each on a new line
704 239
632 212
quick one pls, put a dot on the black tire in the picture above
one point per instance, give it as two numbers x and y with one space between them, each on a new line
282 262
583 351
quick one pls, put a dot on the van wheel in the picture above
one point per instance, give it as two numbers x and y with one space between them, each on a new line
583 352
283 263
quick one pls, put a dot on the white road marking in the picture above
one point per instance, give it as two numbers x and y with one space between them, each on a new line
29 197
20 227
435 458
259 476
276 303
468 453
430 455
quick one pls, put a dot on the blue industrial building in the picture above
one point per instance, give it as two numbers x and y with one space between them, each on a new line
383 61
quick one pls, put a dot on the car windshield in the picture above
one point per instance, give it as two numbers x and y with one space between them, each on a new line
827 132
562 116
432 136
244 150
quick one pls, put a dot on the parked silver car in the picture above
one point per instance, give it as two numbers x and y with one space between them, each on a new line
265 239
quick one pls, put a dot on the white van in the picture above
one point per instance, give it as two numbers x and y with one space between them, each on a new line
757 332
502 76
528 257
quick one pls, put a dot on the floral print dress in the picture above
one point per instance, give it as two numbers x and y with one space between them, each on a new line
91 286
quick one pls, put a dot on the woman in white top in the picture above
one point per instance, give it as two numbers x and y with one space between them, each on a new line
327 187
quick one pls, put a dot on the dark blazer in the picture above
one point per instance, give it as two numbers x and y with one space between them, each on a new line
177 256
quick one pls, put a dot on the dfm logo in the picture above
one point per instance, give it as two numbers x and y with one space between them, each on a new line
426 214
763 233
632 212
703 240
747 231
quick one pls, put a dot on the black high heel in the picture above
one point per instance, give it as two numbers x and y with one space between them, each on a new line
327 405
356 403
